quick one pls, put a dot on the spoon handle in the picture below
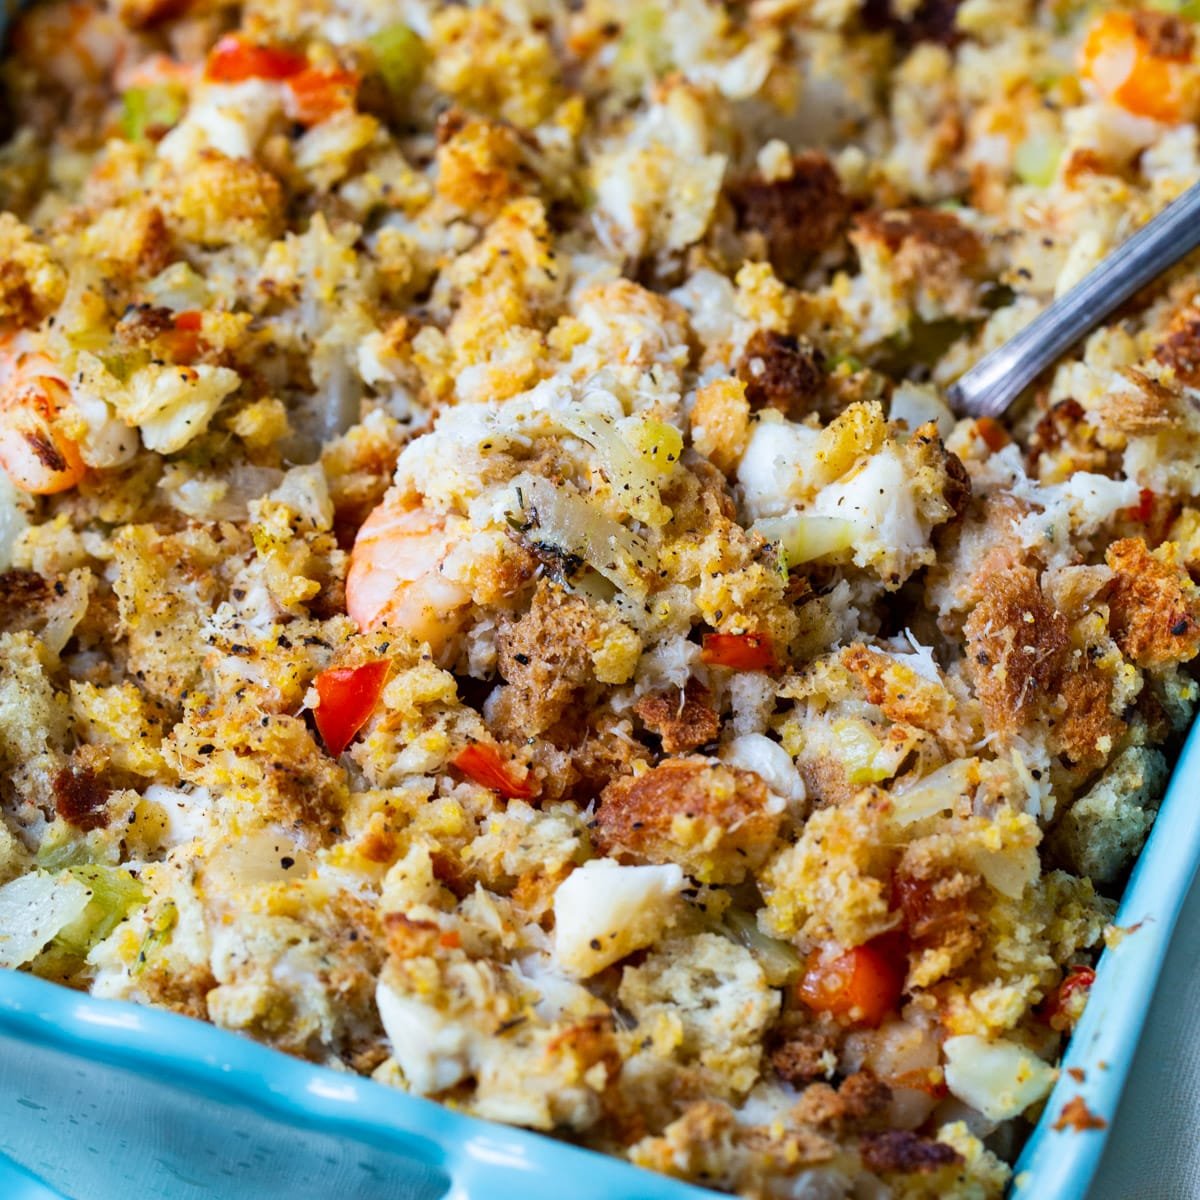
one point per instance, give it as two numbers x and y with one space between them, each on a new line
990 386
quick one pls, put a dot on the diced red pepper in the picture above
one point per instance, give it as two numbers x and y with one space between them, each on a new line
862 985
316 94
1143 510
484 765
234 59
993 433
739 651
184 342
348 697
1076 979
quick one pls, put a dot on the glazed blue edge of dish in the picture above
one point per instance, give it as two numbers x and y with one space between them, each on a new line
1060 1163
479 1160
485 1161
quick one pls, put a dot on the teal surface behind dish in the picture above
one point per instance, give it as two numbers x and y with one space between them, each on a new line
106 1101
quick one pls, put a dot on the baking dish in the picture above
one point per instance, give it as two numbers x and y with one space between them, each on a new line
101 1100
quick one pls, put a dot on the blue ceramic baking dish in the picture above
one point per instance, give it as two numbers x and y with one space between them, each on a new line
101 1100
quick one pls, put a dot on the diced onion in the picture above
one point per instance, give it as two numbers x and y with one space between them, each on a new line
938 792
999 1078
33 910
569 523
658 443
632 476
12 520
180 288
858 752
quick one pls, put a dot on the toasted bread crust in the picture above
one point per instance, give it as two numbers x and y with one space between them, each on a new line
1017 648
1154 606
712 819
797 217
685 720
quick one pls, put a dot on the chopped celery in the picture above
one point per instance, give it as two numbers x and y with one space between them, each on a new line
644 51
803 538
399 58
851 362
780 961
180 288
150 110
1036 159
859 752
115 893
122 365
60 848
156 935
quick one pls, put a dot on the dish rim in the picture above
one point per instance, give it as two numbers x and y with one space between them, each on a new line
1059 1161
486 1160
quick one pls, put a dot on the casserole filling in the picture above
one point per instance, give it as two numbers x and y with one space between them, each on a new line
494 598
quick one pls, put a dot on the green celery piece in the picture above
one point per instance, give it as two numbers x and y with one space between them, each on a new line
115 893
399 57
148 109
156 936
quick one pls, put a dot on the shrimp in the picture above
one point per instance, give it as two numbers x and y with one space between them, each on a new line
1142 61
37 454
396 574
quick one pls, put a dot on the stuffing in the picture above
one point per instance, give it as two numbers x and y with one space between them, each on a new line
493 594
544 659
795 219
1104 828
603 911
925 262
832 885
1154 606
31 284
720 420
1016 646
716 821
712 998
684 719
781 373
480 164
220 201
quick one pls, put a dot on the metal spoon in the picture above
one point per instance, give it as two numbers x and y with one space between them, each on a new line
994 382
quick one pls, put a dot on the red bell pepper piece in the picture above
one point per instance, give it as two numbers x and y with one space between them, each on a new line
234 59
348 697
484 765
739 651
